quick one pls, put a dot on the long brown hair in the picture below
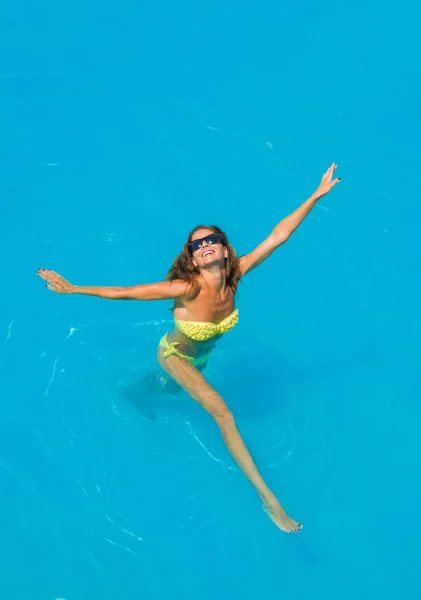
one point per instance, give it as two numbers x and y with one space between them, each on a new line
183 267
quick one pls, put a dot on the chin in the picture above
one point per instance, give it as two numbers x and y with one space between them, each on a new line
215 260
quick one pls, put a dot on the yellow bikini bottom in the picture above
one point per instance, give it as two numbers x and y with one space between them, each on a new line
170 349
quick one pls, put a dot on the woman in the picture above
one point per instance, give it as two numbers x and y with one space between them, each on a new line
203 282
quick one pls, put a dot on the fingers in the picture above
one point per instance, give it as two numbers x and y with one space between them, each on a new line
49 276
44 272
331 170
329 173
55 282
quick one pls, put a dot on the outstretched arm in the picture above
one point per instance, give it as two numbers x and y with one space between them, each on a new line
287 226
164 290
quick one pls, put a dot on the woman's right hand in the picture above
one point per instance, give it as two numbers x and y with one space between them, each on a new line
56 282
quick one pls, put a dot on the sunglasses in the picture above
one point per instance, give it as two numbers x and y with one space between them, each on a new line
212 238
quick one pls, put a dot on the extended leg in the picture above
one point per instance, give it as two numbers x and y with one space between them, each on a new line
190 379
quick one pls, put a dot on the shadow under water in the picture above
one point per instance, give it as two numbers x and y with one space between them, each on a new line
273 375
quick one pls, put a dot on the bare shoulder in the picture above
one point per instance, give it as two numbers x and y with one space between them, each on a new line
184 290
242 260
253 259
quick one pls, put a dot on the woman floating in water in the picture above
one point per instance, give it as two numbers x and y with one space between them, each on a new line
203 281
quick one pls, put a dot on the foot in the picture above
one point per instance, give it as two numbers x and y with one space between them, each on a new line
275 511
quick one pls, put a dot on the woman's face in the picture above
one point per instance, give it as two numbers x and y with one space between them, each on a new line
210 252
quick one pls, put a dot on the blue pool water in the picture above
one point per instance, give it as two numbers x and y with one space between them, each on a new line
122 126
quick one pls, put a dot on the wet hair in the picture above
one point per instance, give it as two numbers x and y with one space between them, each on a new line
183 267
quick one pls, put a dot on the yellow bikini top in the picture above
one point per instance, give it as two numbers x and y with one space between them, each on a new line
202 331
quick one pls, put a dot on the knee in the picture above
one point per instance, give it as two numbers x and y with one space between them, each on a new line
223 417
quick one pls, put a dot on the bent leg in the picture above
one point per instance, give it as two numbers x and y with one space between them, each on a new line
193 382
142 394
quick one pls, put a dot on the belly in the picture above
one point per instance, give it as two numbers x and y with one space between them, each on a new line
191 347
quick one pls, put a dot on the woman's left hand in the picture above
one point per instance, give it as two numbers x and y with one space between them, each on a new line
327 182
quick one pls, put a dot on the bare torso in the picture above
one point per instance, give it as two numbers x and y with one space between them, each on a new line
207 306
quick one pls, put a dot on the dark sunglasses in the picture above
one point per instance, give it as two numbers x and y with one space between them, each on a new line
212 238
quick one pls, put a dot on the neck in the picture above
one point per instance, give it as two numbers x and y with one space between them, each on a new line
215 277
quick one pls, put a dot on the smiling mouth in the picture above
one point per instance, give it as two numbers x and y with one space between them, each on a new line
206 253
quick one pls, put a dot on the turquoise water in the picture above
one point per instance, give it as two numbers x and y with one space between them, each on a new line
121 128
